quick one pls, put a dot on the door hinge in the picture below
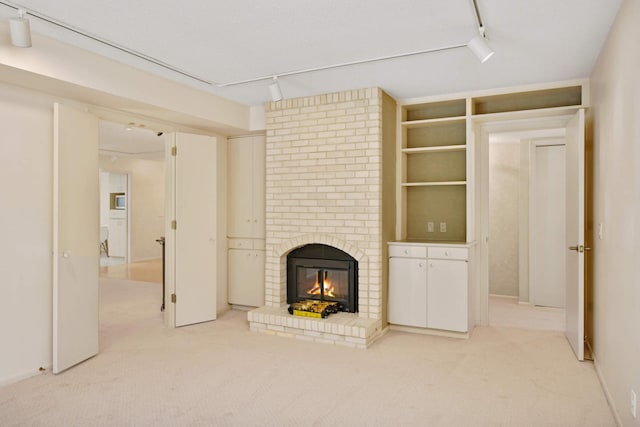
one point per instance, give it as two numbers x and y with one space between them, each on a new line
173 298
174 224
174 151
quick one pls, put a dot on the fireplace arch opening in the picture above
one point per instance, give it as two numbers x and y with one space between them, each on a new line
322 272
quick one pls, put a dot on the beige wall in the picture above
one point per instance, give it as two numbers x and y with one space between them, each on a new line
616 305
146 202
504 183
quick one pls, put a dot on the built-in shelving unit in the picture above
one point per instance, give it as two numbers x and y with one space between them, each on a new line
434 175
436 154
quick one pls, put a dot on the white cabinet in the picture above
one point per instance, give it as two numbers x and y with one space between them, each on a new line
117 183
246 220
408 292
246 277
246 187
118 237
429 286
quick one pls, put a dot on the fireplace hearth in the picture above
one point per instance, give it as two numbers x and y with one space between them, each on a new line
324 273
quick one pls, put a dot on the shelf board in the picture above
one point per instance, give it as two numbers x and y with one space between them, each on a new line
526 114
433 184
434 149
431 122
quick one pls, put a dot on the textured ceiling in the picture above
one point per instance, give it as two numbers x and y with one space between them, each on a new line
222 41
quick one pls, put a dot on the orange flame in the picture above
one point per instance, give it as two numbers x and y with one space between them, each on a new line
328 289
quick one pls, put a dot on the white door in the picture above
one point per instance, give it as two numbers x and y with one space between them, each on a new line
548 227
574 243
76 240
195 234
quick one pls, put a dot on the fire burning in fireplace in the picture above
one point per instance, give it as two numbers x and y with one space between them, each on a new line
317 289
323 273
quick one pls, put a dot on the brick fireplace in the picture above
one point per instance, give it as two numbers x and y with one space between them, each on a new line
329 180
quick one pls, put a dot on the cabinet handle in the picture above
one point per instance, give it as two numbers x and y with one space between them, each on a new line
406 251
420 265
446 253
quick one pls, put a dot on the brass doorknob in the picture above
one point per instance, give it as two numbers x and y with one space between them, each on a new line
579 248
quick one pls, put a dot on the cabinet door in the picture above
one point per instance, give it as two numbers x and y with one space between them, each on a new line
246 199
118 237
258 186
240 187
246 277
408 292
447 295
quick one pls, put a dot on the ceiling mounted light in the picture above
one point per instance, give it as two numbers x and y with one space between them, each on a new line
480 48
274 88
20 30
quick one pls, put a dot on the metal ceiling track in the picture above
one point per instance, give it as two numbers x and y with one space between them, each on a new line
182 72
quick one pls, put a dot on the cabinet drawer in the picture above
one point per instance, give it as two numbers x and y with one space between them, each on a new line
407 251
240 244
449 253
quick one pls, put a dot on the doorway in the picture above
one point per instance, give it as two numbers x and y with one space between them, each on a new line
132 192
132 211
510 219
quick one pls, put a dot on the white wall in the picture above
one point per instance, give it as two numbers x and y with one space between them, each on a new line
504 183
616 307
146 202
26 120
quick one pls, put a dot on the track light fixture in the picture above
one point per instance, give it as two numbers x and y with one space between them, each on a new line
478 44
480 48
20 30
274 88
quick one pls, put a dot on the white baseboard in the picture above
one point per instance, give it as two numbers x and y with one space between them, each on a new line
22 376
607 394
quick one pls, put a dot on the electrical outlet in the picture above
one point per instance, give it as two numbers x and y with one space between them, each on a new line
443 227
430 227
634 404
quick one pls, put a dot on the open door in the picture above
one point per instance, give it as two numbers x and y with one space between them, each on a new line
194 235
76 241
575 232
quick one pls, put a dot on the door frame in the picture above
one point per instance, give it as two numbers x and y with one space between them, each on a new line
482 130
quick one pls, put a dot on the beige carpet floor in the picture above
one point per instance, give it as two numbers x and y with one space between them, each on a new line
220 374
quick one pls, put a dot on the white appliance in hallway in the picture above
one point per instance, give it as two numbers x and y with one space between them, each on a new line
114 207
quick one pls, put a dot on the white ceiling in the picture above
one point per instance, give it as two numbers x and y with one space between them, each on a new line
118 140
223 40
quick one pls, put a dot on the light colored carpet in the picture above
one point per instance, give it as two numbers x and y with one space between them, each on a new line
506 311
220 374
